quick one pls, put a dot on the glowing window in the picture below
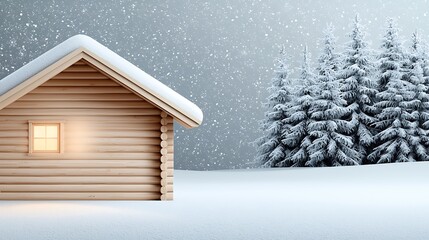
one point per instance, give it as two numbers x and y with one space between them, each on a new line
45 137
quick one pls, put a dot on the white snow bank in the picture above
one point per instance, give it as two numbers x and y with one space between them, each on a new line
365 202
148 82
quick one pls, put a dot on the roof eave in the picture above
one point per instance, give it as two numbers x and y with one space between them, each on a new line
116 74
83 53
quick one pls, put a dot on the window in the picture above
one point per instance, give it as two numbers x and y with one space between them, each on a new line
45 137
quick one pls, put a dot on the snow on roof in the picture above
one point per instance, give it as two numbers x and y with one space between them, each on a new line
82 41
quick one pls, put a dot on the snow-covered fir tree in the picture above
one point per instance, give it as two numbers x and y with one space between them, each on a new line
271 150
424 48
297 138
330 146
354 109
396 95
359 90
418 105
391 57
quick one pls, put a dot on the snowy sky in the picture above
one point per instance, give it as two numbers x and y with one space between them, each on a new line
217 53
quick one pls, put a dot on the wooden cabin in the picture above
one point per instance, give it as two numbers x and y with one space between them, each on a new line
80 122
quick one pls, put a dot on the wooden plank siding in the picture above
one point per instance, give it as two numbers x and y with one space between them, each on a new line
112 142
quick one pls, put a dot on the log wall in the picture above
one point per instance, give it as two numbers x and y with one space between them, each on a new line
113 143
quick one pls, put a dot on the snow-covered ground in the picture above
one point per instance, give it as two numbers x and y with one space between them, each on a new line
366 202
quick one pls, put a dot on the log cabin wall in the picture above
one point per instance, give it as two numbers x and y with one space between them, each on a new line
167 156
112 142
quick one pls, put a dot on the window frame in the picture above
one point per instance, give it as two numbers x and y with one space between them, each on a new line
31 125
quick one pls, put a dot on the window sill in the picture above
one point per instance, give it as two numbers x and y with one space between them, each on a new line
39 154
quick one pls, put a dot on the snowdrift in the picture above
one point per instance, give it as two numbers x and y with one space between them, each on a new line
389 201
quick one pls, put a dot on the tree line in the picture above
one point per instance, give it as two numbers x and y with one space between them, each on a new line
355 107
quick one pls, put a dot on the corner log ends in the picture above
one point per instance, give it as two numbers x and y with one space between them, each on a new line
167 167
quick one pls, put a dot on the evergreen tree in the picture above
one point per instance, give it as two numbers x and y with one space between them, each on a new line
418 105
297 138
271 150
425 61
330 145
393 141
358 90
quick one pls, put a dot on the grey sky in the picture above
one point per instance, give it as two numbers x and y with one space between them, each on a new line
217 53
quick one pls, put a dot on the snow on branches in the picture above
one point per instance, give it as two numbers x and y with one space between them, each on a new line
354 108
271 149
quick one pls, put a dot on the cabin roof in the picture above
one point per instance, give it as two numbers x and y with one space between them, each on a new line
183 110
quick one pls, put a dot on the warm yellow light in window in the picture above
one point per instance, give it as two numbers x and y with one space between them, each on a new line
46 138
51 144
39 144
39 131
